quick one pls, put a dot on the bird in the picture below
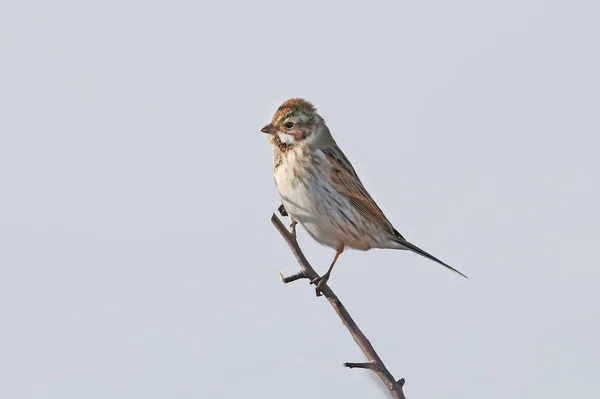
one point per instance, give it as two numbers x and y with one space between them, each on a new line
321 191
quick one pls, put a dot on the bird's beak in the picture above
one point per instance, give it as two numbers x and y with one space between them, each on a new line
269 129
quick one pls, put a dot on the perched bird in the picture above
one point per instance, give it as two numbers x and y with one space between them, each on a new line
321 191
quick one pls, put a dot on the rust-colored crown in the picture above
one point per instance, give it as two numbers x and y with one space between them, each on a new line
292 106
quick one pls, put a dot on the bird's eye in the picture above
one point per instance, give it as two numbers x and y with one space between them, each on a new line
289 125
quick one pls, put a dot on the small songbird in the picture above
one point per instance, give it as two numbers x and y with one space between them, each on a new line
321 191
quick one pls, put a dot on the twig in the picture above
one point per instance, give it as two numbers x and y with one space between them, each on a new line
364 365
293 277
374 363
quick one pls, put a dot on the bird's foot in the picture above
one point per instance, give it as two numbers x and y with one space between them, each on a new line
320 282
282 210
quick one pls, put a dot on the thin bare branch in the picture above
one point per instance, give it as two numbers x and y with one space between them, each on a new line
374 361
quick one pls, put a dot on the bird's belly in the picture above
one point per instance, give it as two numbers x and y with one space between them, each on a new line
323 213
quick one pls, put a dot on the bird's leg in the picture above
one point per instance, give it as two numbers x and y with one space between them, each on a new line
283 212
293 226
320 281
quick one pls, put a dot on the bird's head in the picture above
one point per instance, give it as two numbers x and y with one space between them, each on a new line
296 122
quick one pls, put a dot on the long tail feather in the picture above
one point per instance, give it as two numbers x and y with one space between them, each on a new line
424 254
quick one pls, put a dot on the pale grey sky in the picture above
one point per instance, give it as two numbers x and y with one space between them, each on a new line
137 259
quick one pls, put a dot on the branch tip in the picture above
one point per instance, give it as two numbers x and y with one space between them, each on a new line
363 365
293 277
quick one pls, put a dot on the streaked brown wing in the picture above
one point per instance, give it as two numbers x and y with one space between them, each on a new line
346 182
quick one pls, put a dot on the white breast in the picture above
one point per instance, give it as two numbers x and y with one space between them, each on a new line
303 182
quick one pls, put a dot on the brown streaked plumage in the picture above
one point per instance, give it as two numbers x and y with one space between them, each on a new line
320 189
